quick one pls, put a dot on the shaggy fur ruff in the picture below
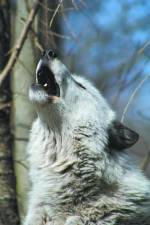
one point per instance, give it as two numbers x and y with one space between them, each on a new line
79 170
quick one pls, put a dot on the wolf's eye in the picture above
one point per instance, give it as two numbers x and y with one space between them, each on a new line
81 85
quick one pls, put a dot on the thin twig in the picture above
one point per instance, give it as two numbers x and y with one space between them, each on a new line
75 5
21 139
36 39
143 48
55 12
15 54
132 97
46 23
60 35
9 51
55 33
5 105
38 45
21 163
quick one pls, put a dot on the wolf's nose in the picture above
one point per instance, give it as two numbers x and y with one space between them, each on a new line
49 53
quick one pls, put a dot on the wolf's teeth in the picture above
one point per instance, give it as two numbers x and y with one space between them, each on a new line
45 85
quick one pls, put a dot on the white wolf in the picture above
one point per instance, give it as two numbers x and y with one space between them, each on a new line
79 170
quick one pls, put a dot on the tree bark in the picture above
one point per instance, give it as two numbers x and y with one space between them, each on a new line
8 203
22 110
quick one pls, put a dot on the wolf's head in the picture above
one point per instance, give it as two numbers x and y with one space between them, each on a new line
64 98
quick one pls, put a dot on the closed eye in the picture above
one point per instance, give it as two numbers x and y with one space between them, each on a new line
79 84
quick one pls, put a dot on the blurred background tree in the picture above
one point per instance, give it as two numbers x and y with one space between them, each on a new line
8 204
106 41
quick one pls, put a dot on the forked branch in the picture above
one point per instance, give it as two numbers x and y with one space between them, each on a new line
20 42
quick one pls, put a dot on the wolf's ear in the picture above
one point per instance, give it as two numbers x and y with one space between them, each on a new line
121 137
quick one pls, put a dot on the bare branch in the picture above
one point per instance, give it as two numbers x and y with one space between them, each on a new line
75 5
54 33
21 163
143 48
132 97
15 54
60 35
55 12
38 44
36 40
5 105
21 139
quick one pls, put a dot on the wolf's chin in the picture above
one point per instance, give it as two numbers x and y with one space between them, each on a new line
38 95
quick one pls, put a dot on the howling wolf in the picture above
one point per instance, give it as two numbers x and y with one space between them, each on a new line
80 171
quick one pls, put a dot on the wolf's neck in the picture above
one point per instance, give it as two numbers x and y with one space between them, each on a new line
57 138
66 158
51 115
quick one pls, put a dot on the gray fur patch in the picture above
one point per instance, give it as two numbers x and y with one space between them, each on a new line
75 178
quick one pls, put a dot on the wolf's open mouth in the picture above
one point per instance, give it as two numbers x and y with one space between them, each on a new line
46 79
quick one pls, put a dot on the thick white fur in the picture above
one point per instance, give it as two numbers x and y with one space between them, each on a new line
75 180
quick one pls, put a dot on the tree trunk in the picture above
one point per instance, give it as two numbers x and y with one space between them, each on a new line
22 110
8 205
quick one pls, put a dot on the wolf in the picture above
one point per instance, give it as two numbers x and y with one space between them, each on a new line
80 171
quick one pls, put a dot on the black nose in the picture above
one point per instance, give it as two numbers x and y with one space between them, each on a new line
49 53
